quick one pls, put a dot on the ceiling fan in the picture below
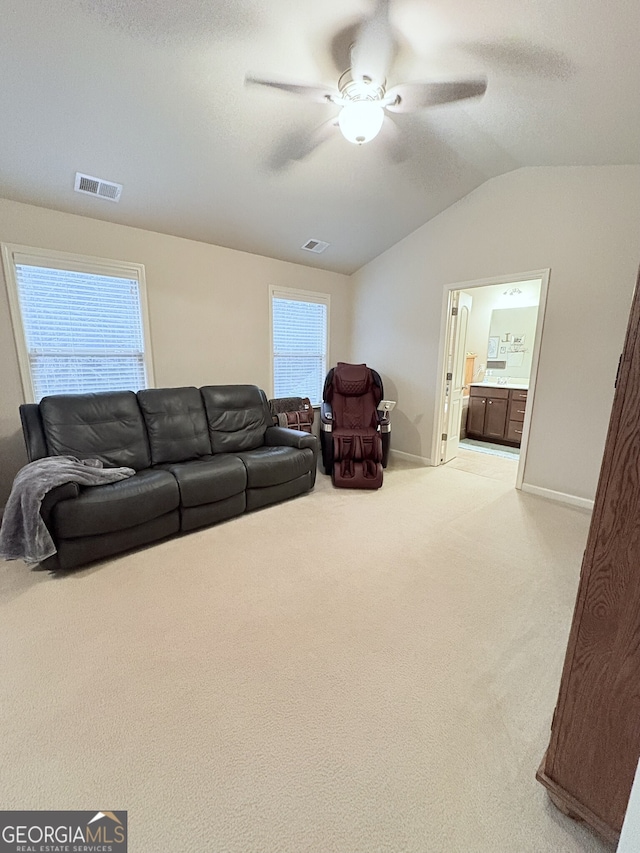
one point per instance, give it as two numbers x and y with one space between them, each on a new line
361 92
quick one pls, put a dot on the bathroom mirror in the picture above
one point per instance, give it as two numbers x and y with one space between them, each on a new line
511 335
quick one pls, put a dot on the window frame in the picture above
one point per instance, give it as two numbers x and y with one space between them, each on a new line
68 261
294 294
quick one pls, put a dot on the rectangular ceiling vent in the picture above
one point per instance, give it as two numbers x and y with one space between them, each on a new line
316 246
96 186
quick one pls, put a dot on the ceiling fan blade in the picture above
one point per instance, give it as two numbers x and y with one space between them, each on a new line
392 139
299 144
372 50
416 96
521 58
341 44
322 94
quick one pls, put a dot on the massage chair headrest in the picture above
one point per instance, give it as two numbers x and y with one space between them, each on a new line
352 380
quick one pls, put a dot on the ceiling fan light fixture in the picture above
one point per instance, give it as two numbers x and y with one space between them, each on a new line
361 121
362 94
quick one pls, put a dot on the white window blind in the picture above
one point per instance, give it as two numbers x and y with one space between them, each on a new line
83 330
299 345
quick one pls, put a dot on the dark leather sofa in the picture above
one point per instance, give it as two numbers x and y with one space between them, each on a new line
200 456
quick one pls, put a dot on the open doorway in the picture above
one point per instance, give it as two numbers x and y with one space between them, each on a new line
489 349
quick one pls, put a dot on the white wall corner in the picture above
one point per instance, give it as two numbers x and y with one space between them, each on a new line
560 497
421 461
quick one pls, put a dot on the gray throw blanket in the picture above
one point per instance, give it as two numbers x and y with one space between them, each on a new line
24 535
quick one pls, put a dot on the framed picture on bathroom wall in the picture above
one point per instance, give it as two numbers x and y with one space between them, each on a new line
492 349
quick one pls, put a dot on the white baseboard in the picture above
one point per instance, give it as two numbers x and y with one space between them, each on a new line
560 497
410 457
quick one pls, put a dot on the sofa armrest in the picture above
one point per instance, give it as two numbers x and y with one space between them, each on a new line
33 431
65 492
277 436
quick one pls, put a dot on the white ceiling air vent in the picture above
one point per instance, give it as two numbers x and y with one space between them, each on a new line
316 246
96 186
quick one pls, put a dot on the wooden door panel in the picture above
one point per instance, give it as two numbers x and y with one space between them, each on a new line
595 741
596 755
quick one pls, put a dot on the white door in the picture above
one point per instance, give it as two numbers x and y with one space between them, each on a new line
454 388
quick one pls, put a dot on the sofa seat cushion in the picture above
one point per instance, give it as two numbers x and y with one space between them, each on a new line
270 466
117 506
213 478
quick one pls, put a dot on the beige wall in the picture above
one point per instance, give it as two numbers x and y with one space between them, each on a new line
208 306
582 223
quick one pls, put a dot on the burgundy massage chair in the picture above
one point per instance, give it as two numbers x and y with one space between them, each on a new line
354 434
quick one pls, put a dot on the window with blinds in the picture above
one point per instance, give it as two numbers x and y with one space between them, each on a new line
81 323
300 322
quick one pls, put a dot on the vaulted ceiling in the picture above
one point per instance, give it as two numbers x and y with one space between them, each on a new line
151 94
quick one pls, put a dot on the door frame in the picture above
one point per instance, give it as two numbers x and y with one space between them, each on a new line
455 370
445 331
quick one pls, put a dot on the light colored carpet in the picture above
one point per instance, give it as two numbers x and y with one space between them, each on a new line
486 465
348 672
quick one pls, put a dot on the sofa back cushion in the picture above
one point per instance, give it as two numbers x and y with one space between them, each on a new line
106 426
176 424
238 417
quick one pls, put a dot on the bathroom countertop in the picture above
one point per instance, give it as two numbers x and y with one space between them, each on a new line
522 386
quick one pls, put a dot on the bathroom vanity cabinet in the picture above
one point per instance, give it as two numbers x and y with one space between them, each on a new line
496 413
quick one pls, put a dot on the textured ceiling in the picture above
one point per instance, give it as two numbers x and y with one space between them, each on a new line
151 94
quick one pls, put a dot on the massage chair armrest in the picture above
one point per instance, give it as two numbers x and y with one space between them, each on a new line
326 417
277 436
384 421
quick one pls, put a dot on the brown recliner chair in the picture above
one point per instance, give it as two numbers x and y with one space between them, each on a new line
354 435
